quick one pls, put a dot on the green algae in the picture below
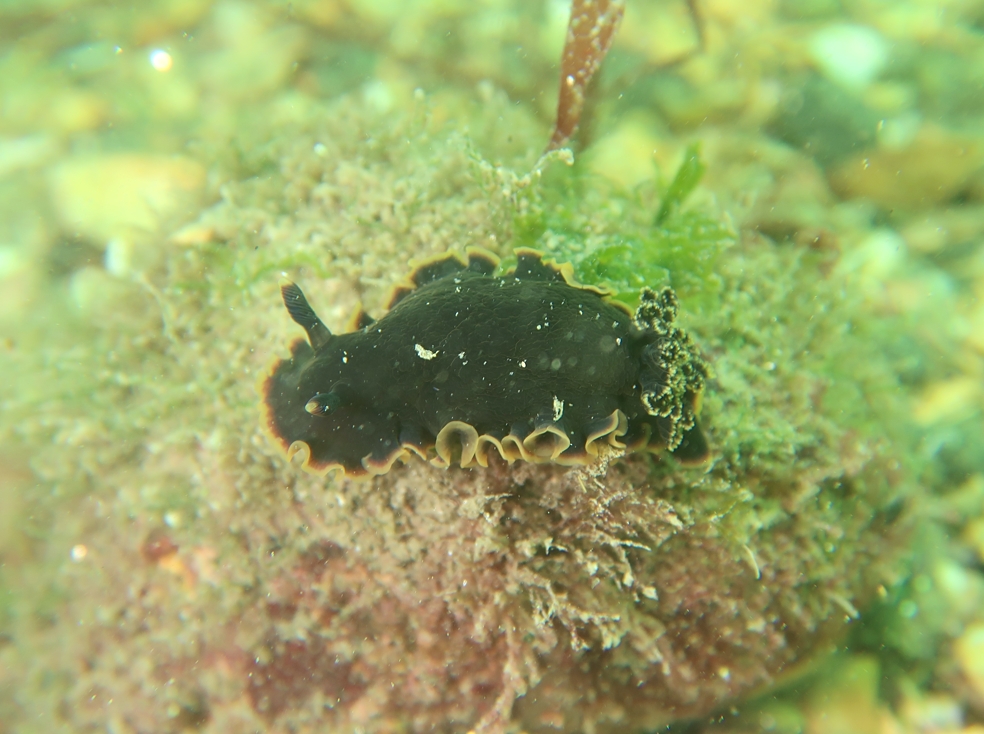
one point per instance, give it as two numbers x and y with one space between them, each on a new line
688 175
630 250
680 249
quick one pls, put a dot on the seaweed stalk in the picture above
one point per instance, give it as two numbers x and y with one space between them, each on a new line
590 33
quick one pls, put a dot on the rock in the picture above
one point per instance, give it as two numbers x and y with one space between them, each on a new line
321 13
377 11
948 400
876 258
687 104
932 169
102 298
25 153
943 228
124 195
258 54
846 700
960 587
195 233
968 649
157 21
74 110
893 97
975 334
823 120
15 481
934 712
661 32
973 536
809 9
626 154
738 14
949 87
849 54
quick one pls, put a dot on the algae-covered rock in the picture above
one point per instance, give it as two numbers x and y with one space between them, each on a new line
111 196
221 589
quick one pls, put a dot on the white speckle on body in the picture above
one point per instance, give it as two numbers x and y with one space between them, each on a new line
558 408
423 352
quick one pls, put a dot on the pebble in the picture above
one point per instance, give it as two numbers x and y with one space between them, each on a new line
381 12
973 535
322 13
74 110
846 701
259 54
915 20
775 717
124 195
738 14
156 21
15 478
943 228
809 9
935 712
931 170
824 120
876 258
626 154
960 587
685 104
195 233
660 32
975 335
100 296
849 54
25 153
948 400
968 649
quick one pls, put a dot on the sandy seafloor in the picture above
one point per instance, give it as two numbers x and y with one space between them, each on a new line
163 568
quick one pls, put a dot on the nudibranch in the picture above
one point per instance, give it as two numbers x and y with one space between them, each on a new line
529 363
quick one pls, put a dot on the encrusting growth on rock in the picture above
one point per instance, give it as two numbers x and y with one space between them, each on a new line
616 597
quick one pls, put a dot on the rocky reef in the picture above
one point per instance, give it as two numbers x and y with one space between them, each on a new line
223 589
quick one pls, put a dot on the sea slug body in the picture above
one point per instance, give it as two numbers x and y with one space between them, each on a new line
529 363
